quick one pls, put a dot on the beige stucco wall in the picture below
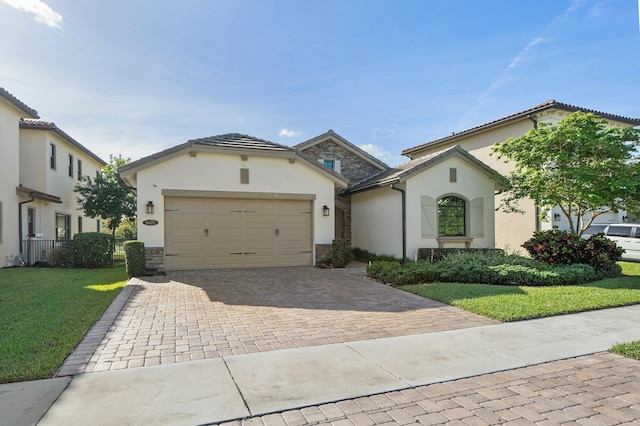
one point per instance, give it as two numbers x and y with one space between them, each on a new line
377 213
511 229
9 179
35 173
377 221
221 172
470 184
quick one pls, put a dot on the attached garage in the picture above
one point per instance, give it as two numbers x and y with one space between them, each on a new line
212 233
233 201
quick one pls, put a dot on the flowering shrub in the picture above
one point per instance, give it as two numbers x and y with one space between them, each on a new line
562 248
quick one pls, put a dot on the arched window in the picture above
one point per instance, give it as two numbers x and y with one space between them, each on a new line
452 217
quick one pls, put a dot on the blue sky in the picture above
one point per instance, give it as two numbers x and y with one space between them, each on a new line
135 77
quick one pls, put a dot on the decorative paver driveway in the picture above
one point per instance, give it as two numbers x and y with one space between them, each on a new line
207 314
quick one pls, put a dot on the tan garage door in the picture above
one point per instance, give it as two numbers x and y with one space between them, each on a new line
211 233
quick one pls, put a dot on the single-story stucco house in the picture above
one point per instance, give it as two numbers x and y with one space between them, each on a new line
234 201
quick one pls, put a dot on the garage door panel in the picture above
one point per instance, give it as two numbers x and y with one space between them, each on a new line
239 233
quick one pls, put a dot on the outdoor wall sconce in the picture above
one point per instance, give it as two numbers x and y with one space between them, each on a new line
325 210
150 207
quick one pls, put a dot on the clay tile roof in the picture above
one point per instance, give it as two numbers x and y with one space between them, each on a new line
550 104
18 103
38 194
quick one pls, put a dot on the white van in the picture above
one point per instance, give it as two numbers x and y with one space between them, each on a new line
625 235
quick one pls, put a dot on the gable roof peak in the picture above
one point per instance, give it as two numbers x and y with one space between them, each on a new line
336 138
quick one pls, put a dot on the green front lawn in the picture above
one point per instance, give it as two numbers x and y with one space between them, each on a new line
45 313
515 303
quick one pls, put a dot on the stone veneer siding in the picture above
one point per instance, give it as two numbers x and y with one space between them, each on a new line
323 253
154 259
352 166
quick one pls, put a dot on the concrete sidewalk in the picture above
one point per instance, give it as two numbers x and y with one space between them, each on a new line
239 386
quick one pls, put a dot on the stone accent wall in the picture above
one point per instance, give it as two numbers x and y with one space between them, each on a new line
154 259
352 166
323 253
344 202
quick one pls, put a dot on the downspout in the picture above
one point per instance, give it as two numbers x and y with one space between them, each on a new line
20 220
404 221
535 126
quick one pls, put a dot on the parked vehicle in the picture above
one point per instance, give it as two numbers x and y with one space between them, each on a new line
625 235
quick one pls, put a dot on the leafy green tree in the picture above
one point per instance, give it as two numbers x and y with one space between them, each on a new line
106 196
580 164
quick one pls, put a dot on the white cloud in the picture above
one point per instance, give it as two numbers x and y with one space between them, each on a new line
376 151
286 133
44 13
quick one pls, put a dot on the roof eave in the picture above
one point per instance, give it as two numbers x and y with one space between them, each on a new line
527 114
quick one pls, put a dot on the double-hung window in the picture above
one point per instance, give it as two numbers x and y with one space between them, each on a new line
63 227
52 156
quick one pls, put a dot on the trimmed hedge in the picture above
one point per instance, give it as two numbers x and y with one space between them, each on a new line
340 254
134 258
362 255
92 250
441 253
485 269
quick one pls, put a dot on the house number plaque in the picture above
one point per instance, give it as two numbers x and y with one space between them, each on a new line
150 222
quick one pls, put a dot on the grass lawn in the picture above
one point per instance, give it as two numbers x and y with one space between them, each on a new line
630 350
44 313
515 303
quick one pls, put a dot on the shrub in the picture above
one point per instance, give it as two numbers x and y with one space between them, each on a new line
61 257
562 248
340 254
440 253
481 268
93 250
601 253
134 259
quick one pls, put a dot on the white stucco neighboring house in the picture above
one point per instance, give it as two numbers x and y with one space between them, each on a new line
40 166
11 110
233 201
513 229
445 199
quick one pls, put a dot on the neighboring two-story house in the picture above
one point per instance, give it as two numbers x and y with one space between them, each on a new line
513 229
41 164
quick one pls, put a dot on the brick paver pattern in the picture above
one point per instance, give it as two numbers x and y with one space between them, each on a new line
600 389
195 315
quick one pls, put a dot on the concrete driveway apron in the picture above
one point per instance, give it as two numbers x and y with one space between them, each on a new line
194 315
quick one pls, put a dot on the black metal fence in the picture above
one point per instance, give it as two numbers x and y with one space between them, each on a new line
40 252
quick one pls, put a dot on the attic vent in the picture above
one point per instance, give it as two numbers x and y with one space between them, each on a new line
453 174
244 176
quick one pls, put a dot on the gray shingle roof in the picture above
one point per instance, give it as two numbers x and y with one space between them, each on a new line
402 172
18 103
550 104
28 123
